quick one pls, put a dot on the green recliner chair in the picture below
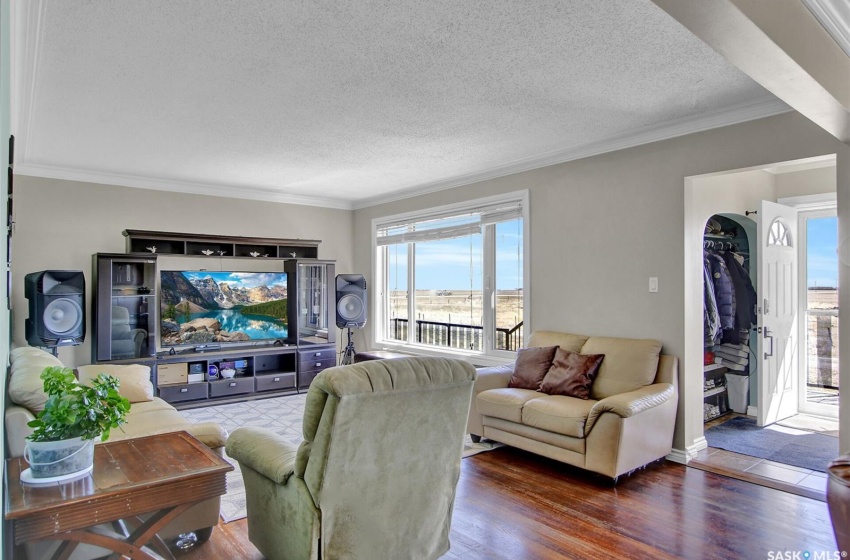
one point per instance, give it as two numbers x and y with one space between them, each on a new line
375 476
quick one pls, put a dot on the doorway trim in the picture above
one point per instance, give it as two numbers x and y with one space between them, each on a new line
691 389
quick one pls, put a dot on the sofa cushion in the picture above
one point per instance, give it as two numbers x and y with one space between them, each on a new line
26 388
571 374
150 417
531 366
135 379
629 364
504 403
571 342
557 413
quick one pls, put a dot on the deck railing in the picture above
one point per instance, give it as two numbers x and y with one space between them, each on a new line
456 335
822 331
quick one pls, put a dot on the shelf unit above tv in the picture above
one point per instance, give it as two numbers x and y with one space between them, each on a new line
169 243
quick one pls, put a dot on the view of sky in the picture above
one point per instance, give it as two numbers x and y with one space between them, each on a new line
449 264
241 279
455 264
821 246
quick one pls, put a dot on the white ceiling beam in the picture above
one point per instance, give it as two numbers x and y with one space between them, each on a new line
780 45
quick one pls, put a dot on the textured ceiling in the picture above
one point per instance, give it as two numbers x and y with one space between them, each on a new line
348 103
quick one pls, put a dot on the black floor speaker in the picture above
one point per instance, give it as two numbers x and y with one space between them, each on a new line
350 301
57 307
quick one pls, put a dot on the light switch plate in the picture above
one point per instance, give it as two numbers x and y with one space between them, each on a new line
653 284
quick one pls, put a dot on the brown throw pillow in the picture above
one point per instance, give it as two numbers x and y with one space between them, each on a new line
531 366
571 374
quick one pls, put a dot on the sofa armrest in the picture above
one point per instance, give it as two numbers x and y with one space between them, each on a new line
17 429
496 377
632 403
263 451
211 434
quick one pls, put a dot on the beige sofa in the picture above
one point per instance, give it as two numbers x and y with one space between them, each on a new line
627 422
148 415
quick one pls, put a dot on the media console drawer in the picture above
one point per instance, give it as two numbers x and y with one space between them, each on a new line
317 355
234 386
276 381
178 393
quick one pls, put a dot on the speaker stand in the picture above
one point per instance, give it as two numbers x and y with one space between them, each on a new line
348 354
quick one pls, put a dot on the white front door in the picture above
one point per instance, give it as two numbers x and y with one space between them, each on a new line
777 292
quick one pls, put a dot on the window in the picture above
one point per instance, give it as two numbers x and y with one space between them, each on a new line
778 234
451 279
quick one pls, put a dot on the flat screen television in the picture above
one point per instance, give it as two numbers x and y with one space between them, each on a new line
203 307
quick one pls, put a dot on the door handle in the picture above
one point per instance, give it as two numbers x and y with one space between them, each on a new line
770 336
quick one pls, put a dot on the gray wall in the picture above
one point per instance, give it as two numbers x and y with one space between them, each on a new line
801 183
601 226
60 224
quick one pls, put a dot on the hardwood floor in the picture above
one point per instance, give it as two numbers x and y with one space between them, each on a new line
514 505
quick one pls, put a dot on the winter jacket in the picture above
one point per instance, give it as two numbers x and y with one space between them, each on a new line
711 318
724 291
745 294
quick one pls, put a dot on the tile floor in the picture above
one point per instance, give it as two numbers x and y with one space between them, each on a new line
789 478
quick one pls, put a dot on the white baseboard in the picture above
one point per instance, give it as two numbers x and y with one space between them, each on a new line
678 456
752 411
683 456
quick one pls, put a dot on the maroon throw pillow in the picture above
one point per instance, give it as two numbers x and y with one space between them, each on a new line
571 374
531 366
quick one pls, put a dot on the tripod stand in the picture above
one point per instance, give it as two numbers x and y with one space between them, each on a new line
348 353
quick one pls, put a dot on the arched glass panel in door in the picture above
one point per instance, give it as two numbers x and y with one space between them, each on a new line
778 234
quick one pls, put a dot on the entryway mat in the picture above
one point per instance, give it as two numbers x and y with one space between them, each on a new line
789 446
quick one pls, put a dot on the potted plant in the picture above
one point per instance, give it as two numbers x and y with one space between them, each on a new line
73 417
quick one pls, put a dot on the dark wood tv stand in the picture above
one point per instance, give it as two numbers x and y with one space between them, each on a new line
131 281
269 371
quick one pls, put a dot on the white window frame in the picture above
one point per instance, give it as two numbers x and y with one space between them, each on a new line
490 355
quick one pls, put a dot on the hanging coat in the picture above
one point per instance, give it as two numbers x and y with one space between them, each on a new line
745 294
724 293
711 319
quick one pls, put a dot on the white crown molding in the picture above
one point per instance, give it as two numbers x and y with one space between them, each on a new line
27 18
664 131
655 133
248 193
834 16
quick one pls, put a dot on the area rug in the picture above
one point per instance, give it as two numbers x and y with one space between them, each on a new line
790 446
283 416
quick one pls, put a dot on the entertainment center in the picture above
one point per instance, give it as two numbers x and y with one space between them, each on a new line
216 318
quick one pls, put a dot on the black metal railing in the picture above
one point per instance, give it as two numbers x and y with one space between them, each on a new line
456 335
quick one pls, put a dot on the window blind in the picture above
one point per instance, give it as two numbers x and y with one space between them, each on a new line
449 225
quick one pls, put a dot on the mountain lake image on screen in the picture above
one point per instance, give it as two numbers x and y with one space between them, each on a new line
201 307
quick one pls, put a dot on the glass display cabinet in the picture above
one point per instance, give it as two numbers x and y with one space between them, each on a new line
311 316
125 300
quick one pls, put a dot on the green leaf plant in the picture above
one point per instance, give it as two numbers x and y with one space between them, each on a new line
75 410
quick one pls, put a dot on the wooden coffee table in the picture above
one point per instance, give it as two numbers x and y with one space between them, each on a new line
163 475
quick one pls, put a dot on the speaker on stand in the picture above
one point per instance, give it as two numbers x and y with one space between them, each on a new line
350 308
57 308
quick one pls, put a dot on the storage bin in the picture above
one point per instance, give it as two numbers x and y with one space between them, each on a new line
738 390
